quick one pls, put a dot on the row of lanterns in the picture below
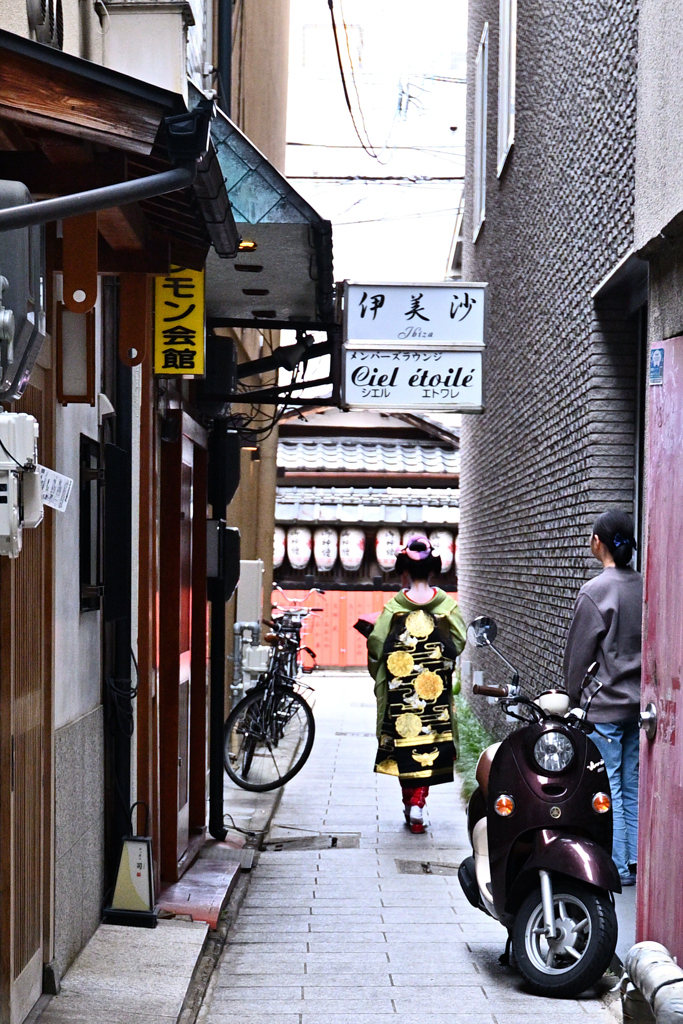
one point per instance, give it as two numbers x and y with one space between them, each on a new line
325 543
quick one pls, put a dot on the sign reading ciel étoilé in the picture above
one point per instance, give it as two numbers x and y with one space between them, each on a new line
414 346
179 323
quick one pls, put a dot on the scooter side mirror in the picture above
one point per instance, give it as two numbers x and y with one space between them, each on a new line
482 631
590 675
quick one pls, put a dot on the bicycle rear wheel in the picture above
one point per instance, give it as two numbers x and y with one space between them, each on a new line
268 737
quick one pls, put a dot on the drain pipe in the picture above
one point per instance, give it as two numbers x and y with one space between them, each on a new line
187 140
658 978
104 198
224 55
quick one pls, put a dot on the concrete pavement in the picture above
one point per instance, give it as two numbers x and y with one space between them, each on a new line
376 926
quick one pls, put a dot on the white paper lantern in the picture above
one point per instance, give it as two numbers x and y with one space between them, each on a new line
325 546
411 534
351 548
387 541
457 558
299 546
279 546
443 543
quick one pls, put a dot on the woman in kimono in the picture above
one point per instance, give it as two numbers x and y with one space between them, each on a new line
411 654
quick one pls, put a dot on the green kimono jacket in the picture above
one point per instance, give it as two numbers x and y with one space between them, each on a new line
441 604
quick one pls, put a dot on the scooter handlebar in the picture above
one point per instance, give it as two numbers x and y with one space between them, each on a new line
490 691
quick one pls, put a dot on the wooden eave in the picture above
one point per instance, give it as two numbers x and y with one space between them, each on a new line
45 88
68 125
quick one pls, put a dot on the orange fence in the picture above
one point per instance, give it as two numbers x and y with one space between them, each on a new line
330 633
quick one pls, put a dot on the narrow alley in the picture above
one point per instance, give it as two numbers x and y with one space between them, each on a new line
375 925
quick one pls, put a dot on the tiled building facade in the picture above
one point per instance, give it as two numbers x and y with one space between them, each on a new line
559 440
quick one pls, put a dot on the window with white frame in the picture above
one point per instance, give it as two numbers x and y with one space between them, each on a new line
506 80
480 89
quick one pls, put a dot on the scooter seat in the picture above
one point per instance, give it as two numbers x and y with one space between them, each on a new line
484 768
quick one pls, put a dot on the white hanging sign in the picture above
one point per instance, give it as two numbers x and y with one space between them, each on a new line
414 346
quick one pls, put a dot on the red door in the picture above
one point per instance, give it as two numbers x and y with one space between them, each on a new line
660 884
182 647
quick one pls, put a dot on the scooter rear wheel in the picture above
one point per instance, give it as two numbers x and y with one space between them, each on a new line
586 937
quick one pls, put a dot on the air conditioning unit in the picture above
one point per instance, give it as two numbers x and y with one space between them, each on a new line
22 297
21 502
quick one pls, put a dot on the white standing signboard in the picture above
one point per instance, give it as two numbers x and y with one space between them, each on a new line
414 346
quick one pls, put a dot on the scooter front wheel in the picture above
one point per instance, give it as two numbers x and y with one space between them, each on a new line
582 947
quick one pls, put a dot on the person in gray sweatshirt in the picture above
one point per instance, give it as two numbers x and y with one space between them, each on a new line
606 628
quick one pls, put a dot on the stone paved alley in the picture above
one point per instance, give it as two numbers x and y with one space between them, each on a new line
346 935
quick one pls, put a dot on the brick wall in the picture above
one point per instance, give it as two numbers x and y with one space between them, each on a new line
556 443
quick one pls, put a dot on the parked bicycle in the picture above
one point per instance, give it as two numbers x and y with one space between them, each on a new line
269 734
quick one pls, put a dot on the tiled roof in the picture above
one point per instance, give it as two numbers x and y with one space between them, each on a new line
366 457
390 505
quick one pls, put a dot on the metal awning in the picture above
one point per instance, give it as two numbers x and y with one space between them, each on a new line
286 280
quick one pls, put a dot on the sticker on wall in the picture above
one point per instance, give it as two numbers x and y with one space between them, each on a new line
388 539
351 548
325 548
443 543
656 366
279 547
56 488
299 546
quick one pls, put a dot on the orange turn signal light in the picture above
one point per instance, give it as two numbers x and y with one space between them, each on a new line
504 805
601 803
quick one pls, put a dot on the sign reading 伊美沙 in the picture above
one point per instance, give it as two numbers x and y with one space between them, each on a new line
179 323
416 346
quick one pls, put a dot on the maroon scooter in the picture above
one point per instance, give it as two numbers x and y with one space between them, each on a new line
540 823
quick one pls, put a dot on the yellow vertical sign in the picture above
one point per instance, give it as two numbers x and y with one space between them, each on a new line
179 323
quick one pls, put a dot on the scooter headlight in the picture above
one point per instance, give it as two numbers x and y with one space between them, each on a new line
553 751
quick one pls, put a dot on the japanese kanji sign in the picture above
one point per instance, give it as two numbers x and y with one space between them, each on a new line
414 347
179 323
432 313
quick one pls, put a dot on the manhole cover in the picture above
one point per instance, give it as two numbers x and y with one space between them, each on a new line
425 867
324 841
355 734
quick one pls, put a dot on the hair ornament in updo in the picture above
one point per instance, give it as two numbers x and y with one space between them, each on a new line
619 540
417 550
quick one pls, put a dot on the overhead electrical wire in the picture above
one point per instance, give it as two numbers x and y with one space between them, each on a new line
366 146
416 179
338 145
405 216
353 74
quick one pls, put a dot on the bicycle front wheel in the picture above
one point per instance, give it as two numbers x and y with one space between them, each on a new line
268 737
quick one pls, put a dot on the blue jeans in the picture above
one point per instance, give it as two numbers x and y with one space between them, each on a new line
618 745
